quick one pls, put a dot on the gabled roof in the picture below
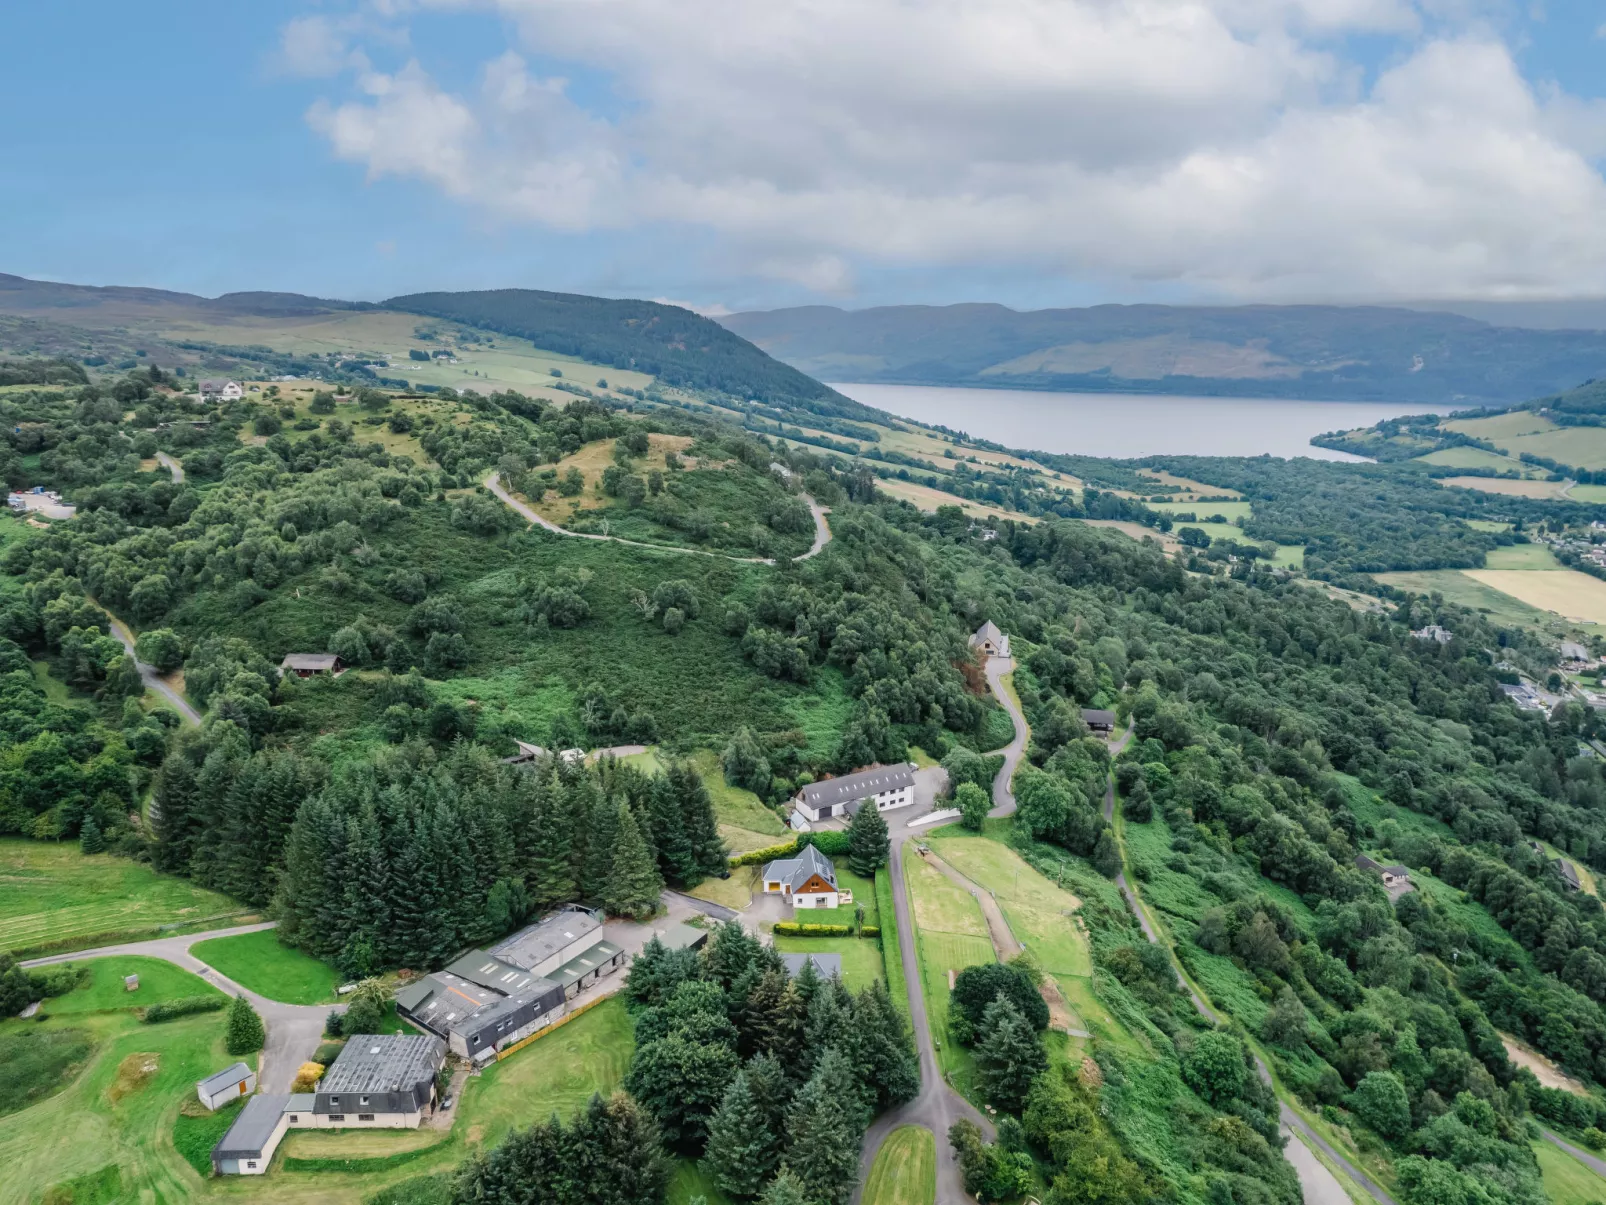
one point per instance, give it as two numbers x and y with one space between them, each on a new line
1566 870
857 786
226 1078
681 936
386 1062
252 1129
989 633
309 661
1097 715
794 872
530 947
487 970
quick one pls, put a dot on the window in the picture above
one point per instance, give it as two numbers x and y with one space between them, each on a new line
365 1117
250 1162
337 1117
294 1119
363 1101
819 901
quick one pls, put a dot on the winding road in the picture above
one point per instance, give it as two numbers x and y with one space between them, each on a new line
1003 796
172 466
1319 1185
294 1030
822 530
149 676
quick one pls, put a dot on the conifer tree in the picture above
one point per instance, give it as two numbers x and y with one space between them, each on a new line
742 1151
823 1151
243 1033
785 1189
1009 1055
772 1089
601 844
90 838
702 826
879 1046
868 844
552 851
172 812
633 883
675 856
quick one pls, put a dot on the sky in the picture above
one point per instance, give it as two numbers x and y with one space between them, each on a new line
731 155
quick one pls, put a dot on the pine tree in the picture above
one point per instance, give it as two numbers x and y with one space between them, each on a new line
785 1189
772 1090
244 1033
742 1151
675 856
90 839
601 844
1009 1055
824 1149
552 854
868 844
633 884
172 813
615 1152
878 1045
702 826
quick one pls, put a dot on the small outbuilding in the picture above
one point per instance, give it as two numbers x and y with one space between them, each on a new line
1099 722
232 1082
247 1149
131 983
1395 878
681 936
828 966
305 665
989 641
1567 873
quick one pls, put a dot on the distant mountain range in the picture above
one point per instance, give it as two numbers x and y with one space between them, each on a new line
1342 353
678 347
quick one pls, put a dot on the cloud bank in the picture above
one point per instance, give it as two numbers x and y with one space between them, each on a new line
1230 147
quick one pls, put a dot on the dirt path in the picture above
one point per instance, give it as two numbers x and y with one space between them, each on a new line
822 530
172 466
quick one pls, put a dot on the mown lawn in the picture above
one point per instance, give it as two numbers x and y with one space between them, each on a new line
259 963
905 1169
105 992
950 935
1567 1181
862 964
53 895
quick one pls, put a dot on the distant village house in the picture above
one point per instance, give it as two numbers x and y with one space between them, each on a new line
221 391
1395 878
1433 632
990 641
1099 722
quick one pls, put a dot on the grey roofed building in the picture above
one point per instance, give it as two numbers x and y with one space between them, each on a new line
850 788
487 970
1098 720
794 872
990 640
1389 874
681 936
1568 873
227 1078
303 664
381 1073
585 969
300 1103
828 965
439 1000
253 1134
539 947
481 1033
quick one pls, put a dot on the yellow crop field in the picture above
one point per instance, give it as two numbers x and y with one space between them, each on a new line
928 499
1567 592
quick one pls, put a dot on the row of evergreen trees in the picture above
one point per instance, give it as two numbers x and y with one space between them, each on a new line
407 859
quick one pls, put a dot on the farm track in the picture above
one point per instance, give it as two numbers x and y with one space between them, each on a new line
149 676
822 529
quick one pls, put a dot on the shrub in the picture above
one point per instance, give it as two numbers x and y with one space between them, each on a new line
869 930
245 1034
792 928
168 1010
769 853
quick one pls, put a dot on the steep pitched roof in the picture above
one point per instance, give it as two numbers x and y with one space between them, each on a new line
857 786
226 1078
794 872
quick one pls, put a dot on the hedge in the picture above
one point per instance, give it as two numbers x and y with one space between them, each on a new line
869 930
769 853
792 928
831 843
167 1010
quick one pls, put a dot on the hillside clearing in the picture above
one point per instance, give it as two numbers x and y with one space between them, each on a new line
1506 486
1567 592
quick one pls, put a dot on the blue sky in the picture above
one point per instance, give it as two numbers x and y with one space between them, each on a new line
513 142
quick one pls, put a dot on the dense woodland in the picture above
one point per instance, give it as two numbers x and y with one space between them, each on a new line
1278 734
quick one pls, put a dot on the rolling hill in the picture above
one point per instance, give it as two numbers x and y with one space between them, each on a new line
1360 353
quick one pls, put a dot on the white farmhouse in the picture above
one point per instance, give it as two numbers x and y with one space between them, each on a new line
221 391
889 786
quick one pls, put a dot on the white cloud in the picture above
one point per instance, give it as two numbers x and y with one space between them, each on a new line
1225 144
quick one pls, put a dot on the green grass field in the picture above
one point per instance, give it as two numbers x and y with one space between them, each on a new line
951 935
905 1169
1458 588
1522 556
1587 493
36 1063
891 952
1486 525
744 821
1203 510
1567 1181
104 992
1475 458
1289 556
258 962
53 896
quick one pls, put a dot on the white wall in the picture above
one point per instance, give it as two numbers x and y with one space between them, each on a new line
818 899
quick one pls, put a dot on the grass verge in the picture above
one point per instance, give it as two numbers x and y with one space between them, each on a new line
260 963
905 1169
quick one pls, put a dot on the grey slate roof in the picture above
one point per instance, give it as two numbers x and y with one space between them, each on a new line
989 633
226 1078
313 662
862 785
1365 863
532 946
1568 873
797 871
826 964
386 1062
300 1102
1092 716
252 1129
440 999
